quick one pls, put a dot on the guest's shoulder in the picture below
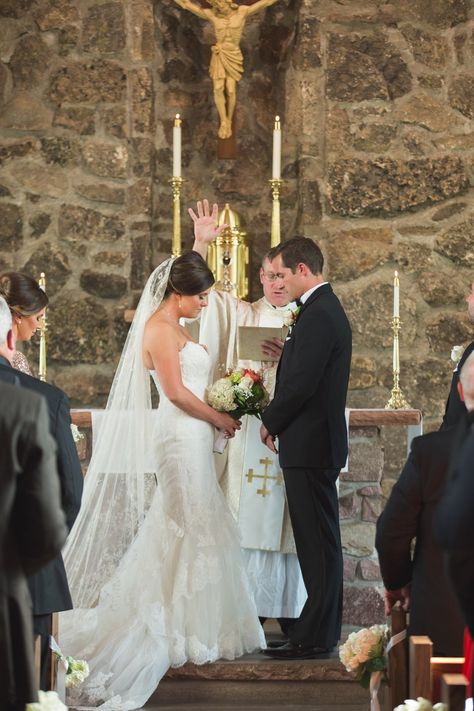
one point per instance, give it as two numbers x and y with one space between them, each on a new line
48 390
434 443
21 402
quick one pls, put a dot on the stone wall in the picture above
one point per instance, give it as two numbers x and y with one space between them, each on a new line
378 153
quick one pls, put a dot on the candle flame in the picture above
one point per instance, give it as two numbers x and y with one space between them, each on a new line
177 116
396 275
277 118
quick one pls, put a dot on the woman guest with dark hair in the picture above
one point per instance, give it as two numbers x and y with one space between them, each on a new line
27 302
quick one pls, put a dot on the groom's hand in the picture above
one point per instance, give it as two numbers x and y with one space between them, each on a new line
267 439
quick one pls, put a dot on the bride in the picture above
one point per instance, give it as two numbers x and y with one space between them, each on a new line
154 561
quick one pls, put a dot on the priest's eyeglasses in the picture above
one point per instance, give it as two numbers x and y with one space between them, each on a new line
271 276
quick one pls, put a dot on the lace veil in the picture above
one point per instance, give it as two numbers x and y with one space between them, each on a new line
122 475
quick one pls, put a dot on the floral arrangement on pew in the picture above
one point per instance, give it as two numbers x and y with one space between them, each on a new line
364 653
239 392
420 705
48 701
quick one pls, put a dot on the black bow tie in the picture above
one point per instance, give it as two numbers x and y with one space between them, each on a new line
298 303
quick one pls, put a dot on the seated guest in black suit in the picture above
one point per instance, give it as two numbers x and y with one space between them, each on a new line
419 580
454 517
48 587
455 407
32 532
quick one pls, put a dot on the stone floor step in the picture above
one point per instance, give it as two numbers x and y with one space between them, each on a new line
255 681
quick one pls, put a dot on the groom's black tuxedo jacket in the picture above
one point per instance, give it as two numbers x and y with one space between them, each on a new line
455 408
48 587
307 412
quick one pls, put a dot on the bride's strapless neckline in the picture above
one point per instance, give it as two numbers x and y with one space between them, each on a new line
201 345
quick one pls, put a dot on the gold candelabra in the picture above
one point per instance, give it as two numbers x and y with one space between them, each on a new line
176 184
44 328
397 400
275 185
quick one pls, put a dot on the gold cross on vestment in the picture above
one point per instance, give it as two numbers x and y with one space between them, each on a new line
265 476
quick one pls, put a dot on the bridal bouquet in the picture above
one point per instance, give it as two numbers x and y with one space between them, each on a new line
239 392
364 652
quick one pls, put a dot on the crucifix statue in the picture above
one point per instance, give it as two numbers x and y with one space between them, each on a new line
226 66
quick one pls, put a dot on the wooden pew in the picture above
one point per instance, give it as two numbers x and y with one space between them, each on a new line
435 678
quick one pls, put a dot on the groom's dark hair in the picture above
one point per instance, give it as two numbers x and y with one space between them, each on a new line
189 275
299 250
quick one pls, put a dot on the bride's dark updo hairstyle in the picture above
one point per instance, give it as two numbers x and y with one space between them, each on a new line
189 275
22 293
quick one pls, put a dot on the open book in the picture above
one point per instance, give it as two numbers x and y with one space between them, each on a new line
251 338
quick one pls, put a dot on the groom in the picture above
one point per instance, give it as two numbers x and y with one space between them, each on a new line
307 416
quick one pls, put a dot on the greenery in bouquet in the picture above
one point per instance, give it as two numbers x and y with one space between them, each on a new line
77 671
239 392
364 652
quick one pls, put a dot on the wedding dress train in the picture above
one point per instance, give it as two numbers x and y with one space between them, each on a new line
180 592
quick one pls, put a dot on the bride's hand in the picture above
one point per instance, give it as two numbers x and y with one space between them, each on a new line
205 224
227 424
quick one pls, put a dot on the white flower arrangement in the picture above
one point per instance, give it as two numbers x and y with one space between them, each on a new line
77 671
456 353
420 705
240 392
76 434
364 652
48 701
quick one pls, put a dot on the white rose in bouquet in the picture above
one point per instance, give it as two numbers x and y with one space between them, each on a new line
420 705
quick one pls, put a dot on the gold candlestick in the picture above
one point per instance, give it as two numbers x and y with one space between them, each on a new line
176 240
275 185
397 401
44 328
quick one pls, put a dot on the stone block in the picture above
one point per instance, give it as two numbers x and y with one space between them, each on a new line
11 226
371 508
82 337
369 491
55 14
17 149
140 261
427 47
350 566
370 328
373 137
85 387
106 286
61 150
427 111
141 82
103 29
139 197
39 224
441 288
413 256
437 13
358 539
352 253
51 260
101 192
115 121
68 39
142 156
24 112
448 330
461 94
365 66
349 505
106 160
77 223
387 187
30 62
363 606
79 119
15 8
457 243
369 569
362 375
365 462
113 259
88 82
45 181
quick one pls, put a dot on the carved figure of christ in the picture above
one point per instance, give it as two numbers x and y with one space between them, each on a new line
226 67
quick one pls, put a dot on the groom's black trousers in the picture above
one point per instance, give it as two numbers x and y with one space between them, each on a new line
314 513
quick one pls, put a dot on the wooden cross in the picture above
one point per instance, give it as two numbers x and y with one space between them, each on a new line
265 476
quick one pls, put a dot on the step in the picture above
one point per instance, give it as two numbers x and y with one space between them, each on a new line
254 681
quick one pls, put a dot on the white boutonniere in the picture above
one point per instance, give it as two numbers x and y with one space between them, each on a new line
291 316
456 353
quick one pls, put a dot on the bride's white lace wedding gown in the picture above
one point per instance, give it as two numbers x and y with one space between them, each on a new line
180 592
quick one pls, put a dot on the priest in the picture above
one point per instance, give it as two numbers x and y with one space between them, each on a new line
250 475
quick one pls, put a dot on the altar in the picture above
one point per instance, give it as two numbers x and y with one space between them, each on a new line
361 500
